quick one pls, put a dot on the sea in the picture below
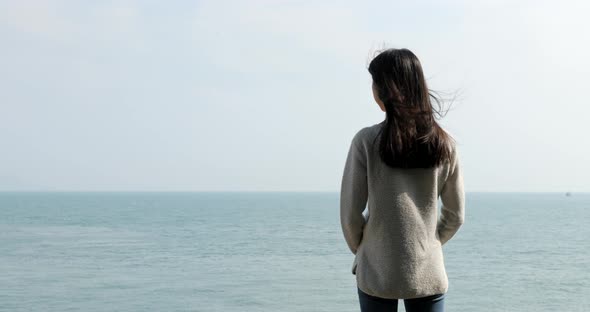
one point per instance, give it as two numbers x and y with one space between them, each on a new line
271 251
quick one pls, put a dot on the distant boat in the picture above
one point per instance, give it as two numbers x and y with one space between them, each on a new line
568 194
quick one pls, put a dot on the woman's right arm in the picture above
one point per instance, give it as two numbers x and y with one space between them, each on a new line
453 202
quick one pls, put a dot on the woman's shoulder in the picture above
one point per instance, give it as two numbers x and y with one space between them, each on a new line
367 132
453 150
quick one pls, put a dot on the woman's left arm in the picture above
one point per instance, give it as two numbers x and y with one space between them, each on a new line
354 195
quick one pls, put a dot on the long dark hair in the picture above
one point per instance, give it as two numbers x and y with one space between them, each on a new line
409 136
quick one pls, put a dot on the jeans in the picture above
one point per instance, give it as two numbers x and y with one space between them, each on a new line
434 303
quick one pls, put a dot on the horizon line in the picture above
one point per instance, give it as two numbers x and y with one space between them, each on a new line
241 191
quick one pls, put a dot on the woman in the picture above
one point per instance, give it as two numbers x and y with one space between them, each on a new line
401 166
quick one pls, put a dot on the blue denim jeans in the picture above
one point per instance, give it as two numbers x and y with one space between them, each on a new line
434 303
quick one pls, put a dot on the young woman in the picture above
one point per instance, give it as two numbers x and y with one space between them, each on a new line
401 167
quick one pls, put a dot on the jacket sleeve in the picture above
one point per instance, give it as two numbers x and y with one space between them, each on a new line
353 195
453 202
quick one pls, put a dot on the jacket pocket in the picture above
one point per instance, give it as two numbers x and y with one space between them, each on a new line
358 251
354 265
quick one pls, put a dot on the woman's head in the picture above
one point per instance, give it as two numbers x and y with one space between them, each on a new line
410 135
398 78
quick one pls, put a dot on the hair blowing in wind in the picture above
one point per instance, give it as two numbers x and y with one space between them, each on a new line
409 137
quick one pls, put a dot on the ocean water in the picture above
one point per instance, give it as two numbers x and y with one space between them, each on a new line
271 252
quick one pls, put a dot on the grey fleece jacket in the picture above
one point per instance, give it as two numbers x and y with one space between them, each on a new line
398 244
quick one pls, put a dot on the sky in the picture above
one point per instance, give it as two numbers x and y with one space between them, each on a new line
267 95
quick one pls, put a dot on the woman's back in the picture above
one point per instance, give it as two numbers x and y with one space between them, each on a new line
398 246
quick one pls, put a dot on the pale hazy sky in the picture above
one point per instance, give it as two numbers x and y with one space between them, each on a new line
266 95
